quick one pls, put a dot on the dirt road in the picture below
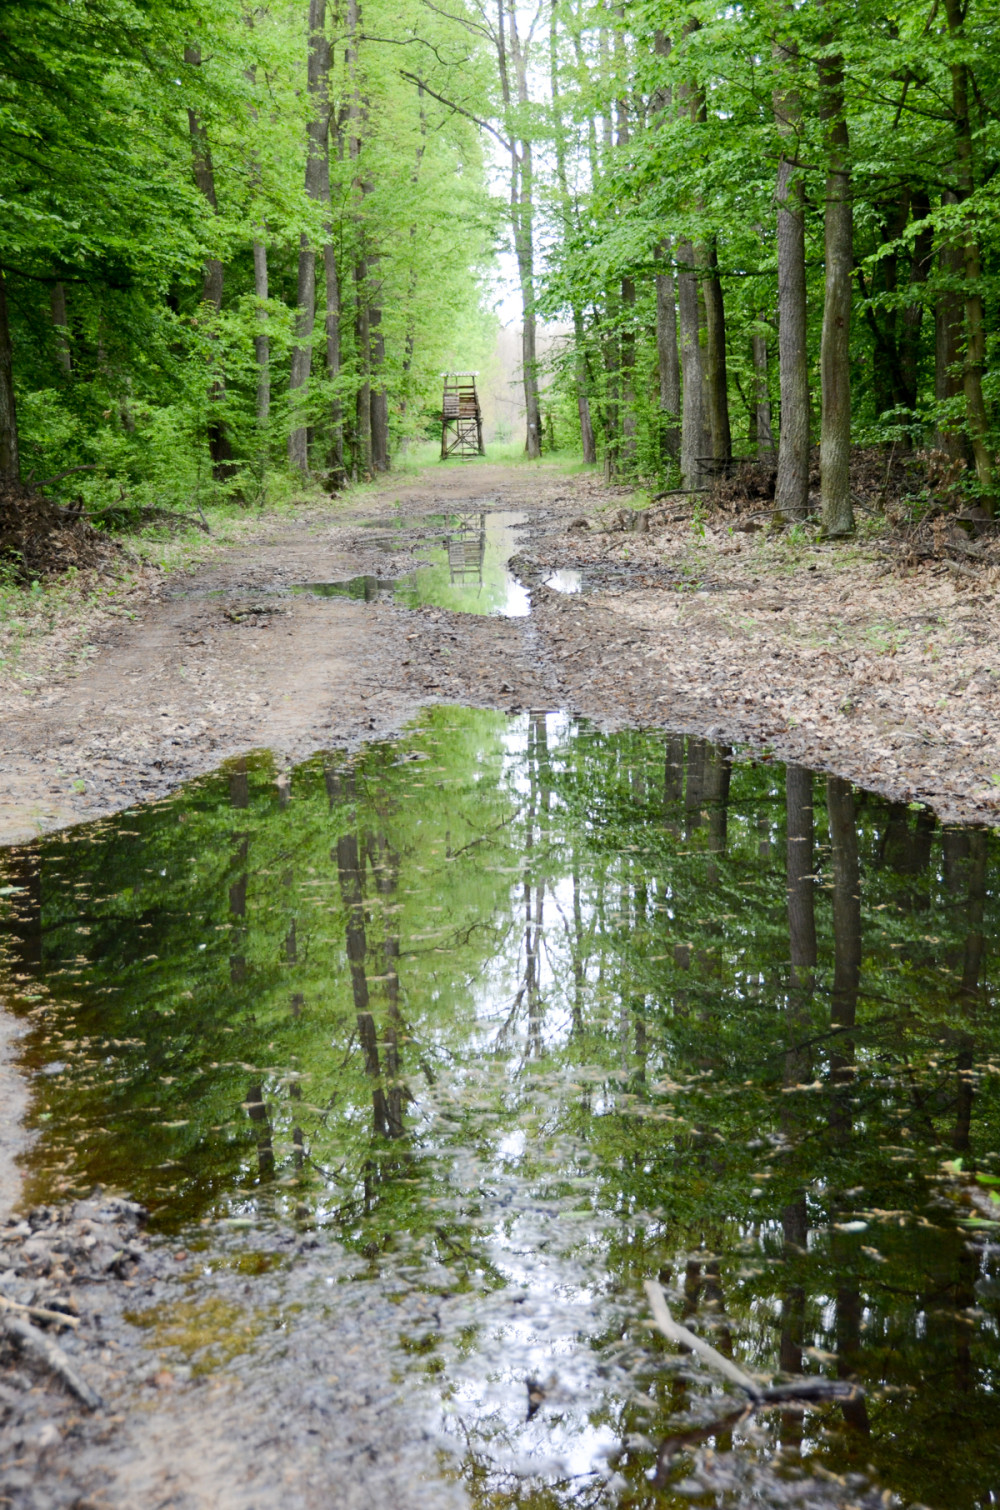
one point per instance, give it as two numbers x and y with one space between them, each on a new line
813 653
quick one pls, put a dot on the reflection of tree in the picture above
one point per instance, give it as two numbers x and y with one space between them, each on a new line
846 947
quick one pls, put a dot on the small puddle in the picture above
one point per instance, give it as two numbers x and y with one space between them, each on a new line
465 570
523 1014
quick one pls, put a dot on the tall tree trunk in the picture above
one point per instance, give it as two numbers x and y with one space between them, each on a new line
219 446
317 150
579 354
762 397
363 401
379 396
301 362
717 386
628 420
949 318
835 356
261 340
522 223
694 441
60 324
791 494
974 362
667 360
587 442
336 456
10 463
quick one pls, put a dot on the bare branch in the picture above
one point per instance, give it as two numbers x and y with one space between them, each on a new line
460 110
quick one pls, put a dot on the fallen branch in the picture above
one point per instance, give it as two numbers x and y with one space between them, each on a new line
35 1343
674 1332
800 1391
39 1313
88 466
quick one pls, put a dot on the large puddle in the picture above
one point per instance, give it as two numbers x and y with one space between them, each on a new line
525 1014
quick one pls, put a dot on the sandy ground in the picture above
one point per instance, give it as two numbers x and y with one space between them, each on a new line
819 654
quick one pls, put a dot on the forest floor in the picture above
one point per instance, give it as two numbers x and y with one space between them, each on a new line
837 656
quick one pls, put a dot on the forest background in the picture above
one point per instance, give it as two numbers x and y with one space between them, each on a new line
239 245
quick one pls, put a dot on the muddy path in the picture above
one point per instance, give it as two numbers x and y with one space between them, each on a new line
825 660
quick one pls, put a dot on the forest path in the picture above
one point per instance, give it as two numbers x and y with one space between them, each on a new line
817 653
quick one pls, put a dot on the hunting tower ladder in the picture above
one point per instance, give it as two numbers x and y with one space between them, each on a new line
461 417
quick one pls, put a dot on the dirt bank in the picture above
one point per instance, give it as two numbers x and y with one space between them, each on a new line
818 653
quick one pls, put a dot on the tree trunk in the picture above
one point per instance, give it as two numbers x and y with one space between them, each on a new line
791 494
317 176
379 396
60 324
587 442
579 355
522 227
974 362
694 442
363 401
301 363
219 446
261 341
628 421
10 463
667 360
762 397
717 386
336 458
835 357
948 329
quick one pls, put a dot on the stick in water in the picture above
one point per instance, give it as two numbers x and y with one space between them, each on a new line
673 1330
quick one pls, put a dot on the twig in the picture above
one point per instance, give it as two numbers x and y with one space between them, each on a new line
35 1343
39 1313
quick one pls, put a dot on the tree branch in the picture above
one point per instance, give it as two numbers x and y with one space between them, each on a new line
460 110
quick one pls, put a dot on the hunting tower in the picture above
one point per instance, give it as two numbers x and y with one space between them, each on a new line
461 416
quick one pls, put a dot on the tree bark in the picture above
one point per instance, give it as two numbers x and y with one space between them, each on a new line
219 446
363 400
974 362
10 463
317 170
762 398
261 341
949 319
668 362
717 385
379 396
835 357
694 440
579 354
522 224
791 494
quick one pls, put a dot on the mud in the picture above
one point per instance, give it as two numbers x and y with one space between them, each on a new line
674 629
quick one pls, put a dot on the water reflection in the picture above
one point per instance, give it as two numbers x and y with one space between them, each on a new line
528 1014
465 570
